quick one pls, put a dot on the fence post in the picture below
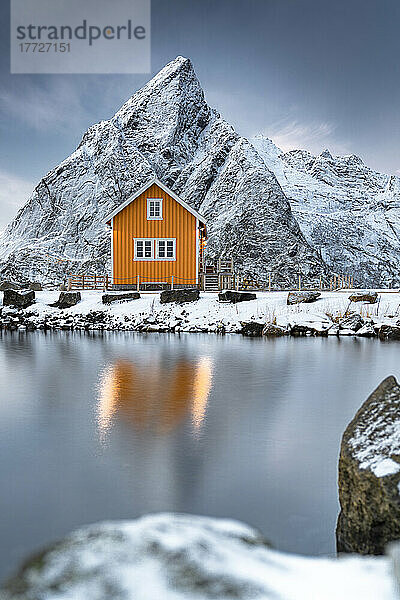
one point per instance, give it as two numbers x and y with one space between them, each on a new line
269 282
320 282
138 283
83 282
107 281
299 283
172 282
69 284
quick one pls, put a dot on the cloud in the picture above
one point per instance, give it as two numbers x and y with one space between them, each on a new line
65 103
53 105
14 192
291 134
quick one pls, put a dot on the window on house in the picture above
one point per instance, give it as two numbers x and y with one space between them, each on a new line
154 249
166 249
154 209
143 249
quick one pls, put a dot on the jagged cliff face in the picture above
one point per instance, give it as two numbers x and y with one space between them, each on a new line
344 208
168 130
274 212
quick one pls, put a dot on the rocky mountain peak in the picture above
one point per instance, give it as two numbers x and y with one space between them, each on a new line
165 129
326 154
345 208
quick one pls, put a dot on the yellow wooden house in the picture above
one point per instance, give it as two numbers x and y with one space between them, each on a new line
157 240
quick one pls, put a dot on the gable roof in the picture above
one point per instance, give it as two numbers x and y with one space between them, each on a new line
155 181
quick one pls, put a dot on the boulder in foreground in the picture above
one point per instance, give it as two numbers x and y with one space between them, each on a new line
369 474
179 295
119 297
369 297
184 557
302 297
19 299
234 297
67 299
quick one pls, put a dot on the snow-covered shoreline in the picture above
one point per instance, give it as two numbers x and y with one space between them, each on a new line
205 315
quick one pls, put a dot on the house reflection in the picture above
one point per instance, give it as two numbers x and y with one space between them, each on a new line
157 398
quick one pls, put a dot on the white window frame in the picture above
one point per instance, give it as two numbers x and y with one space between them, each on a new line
154 249
149 217
166 258
137 258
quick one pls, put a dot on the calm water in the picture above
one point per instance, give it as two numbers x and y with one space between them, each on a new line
114 426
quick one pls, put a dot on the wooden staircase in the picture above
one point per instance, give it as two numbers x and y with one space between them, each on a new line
211 282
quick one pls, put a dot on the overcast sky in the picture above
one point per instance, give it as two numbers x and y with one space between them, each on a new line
306 73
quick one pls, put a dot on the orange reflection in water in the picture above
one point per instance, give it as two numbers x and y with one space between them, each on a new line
201 391
156 397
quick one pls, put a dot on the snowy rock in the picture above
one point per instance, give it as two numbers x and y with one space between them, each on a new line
235 297
369 474
179 295
271 330
298 330
18 299
67 299
300 297
366 330
167 130
252 329
184 557
119 297
389 332
369 297
354 322
9 285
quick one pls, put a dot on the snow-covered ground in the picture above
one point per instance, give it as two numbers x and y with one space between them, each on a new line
208 314
185 557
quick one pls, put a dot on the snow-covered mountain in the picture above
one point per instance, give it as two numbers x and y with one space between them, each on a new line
165 129
344 208
285 213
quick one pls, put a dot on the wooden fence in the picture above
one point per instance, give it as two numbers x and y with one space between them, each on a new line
88 282
224 280
106 282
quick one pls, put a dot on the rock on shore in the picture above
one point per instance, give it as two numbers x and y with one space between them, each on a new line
369 474
184 557
203 313
302 297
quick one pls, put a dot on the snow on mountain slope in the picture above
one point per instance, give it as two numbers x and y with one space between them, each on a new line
165 129
344 208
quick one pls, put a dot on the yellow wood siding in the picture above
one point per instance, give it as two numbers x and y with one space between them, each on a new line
132 223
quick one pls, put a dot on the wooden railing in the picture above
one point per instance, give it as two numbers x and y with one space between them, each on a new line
88 282
226 280
138 282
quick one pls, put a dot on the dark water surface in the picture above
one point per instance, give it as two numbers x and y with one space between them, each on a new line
114 426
